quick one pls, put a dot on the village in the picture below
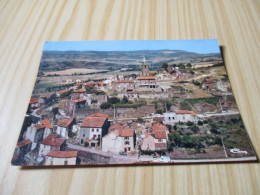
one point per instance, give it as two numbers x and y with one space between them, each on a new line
178 112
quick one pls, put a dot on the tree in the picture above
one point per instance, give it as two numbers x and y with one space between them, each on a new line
189 123
55 111
200 123
124 100
169 127
105 105
113 100
175 138
195 129
165 66
189 65
140 120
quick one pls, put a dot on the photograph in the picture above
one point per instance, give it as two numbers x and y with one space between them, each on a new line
139 102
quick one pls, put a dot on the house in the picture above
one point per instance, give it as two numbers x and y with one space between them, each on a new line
35 133
23 147
77 94
89 85
48 127
123 85
118 141
209 85
179 116
34 103
93 128
101 85
147 82
79 103
160 134
101 99
148 142
59 93
64 127
61 158
51 143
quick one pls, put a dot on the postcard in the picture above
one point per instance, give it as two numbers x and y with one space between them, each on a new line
132 103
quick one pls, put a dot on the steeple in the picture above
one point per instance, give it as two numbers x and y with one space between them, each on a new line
145 69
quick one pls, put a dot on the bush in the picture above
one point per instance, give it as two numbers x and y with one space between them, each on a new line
200 123
113 100
140 120
195 129
189 123
105 105
130 105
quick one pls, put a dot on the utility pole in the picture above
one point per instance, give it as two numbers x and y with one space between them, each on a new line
223 144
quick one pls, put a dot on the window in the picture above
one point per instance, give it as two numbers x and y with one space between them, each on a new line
65 162
92 130
172 118
159 140
83 135
127 143
51 162
126 138
94 136
81 141
97 130
169 118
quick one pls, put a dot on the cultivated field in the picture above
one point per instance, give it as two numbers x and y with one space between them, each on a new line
72 71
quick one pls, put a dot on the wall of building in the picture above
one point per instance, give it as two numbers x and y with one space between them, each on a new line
59 161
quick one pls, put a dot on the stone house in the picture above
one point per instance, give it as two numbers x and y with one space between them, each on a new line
148 142
61 158
122 85
64 127
146 83
23 147
77 94
50 143
119 141
179 116
35 133
93 128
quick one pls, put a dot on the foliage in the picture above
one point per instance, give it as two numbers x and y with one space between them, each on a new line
185 106
195 128
105 105
189 123
113 100
200 123
55 111
169 127
196 83
130 104
140 120
65 94
124 100
165 66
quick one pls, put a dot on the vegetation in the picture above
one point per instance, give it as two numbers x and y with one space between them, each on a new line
105 105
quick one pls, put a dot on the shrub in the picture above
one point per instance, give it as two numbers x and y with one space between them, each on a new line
105 105
200 123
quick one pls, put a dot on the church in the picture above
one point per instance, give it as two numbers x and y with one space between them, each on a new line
146 81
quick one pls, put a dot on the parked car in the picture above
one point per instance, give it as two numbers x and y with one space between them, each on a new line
238 151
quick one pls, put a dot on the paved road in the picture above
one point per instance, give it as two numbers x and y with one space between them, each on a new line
95 151
216 160
229 112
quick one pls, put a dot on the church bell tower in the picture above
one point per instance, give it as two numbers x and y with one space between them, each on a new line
145 69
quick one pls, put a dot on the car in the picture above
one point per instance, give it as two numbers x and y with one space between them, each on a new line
165 159
237 151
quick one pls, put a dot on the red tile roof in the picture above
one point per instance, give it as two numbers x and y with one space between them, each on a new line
38 126
115 127
152 72
79 91
101 83
78 84
79 100
185 112
145 78
126 132
63 91
65 122
98 115
53 140
208 80
130 81
159 127
89 83
33 100
93 122
24 143
160 145
63 154
147 135
160 134
46 123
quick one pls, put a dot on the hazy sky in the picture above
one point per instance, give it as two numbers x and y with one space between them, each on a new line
198 46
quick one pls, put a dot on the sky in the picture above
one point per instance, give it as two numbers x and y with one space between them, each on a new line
202 46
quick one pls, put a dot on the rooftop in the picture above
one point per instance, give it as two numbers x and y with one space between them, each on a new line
126 132
24 143
130 81
53 140
93 121
46 123
160 134
185 112
145 78
63 154
79 91
33 100
159 127
65 122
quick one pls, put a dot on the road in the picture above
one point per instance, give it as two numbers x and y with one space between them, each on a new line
229 112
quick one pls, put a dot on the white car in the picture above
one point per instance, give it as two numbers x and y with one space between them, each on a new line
238 151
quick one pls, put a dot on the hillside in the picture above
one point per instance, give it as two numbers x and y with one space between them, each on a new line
60 60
